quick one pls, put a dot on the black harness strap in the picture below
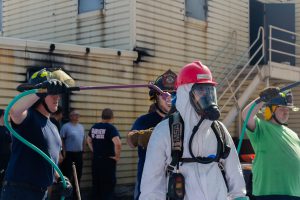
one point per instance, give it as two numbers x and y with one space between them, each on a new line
176 130
176 126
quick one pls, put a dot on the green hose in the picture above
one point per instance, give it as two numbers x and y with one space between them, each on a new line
244 127
33 147
288 87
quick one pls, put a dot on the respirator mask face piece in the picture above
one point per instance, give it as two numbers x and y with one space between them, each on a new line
203 98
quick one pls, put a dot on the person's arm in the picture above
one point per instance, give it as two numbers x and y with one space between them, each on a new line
132 135
19 111
83 141
89 143
265 95
251 121
117 144
132 138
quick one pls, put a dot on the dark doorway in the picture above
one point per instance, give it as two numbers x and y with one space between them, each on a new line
281 15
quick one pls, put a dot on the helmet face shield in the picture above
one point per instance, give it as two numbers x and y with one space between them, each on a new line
47 74
284 99
203 98
44 75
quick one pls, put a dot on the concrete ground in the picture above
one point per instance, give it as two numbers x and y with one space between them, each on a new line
122 192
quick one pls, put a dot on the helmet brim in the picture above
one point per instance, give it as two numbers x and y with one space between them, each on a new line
208 82
25 86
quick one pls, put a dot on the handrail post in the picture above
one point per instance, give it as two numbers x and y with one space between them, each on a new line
270 44
263 41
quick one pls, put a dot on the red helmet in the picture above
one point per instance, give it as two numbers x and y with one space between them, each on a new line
194 72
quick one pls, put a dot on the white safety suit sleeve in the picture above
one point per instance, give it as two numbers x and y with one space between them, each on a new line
153 184
233 170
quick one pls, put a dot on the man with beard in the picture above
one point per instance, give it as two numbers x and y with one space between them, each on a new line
276 167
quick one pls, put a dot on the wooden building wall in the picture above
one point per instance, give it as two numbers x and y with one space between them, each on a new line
110 28
100 67
59 21
297 28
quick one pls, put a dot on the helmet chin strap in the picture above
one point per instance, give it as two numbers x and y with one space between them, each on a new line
275 118
159 109
46 106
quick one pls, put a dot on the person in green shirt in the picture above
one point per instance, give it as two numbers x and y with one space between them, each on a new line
276 167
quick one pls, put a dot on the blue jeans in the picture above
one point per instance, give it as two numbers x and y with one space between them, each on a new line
18 193
276 197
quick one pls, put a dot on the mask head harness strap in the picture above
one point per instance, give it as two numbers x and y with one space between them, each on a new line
177 135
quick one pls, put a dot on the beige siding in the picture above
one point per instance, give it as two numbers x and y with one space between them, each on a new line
100 67
40 20
58 21
162 32
228 26
297 28
170 39
109 28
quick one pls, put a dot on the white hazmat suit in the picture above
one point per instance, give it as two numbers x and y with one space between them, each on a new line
202 181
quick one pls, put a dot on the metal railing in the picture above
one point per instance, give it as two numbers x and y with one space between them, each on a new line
272 39
232 82
235 73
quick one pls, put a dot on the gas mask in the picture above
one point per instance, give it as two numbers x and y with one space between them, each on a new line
203 98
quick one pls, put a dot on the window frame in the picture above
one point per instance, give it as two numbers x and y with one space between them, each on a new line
189 14
90 7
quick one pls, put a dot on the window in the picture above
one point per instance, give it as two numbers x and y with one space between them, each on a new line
90 5
196 9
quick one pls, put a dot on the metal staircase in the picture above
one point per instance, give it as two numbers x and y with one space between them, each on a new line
238 84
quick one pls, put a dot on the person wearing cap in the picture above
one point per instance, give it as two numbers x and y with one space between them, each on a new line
73 143
28 174
145 123
196 173
276 167
5 147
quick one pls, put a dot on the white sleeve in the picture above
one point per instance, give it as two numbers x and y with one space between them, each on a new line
154 182
233 170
